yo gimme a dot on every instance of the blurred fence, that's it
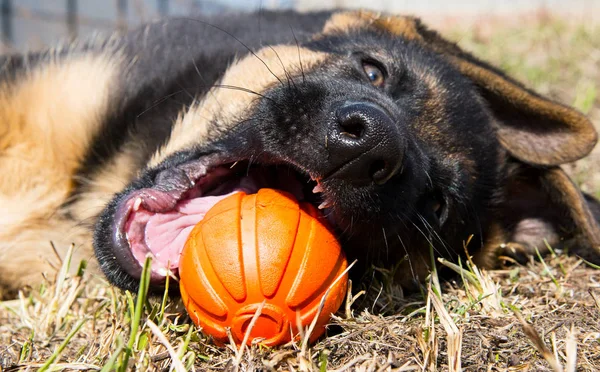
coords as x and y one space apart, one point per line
36 23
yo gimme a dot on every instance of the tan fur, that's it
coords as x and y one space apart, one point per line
345 21
396 25
228 106
111 179
47 121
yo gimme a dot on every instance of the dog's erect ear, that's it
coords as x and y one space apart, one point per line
542 206
532 128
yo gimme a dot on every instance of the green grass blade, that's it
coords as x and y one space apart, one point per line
110 363
186 342
163 303
139 307
547 269
62 346
591 264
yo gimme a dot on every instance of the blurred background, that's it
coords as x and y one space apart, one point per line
34 23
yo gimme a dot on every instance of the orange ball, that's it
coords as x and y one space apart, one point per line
261 247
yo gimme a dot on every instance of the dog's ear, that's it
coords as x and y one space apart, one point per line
541 207
532 128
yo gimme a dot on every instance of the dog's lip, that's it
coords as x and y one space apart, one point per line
159 197
121 246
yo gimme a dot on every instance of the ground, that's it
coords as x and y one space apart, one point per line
538 317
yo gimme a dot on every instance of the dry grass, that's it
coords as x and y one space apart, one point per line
541 317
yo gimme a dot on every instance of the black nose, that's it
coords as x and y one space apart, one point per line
364 144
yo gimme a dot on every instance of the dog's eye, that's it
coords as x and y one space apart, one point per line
374 74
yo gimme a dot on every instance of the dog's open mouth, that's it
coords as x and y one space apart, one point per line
158 220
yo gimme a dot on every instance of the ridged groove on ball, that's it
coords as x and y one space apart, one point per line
272 262
218 231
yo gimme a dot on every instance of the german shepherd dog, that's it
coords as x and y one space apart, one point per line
406 143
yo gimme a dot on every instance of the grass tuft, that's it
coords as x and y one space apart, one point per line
136 312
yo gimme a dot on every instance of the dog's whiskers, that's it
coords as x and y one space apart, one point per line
158 102
239 41
387 246
408 258
210 91
299 57
289 78
433 231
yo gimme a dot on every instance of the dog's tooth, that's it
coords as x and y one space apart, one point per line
136 204
317 189
325 204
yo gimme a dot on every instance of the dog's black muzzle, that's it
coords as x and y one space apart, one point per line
364 144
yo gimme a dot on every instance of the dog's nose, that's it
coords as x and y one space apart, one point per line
364 144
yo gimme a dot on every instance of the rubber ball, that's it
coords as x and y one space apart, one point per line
263 247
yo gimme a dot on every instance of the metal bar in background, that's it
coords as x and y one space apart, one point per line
7 22
122 14
163 7
72 18
52 17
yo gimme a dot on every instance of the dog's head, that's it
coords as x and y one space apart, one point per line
404 142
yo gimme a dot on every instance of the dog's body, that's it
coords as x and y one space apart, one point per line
412 143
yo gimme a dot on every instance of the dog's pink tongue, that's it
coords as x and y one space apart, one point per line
164 234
